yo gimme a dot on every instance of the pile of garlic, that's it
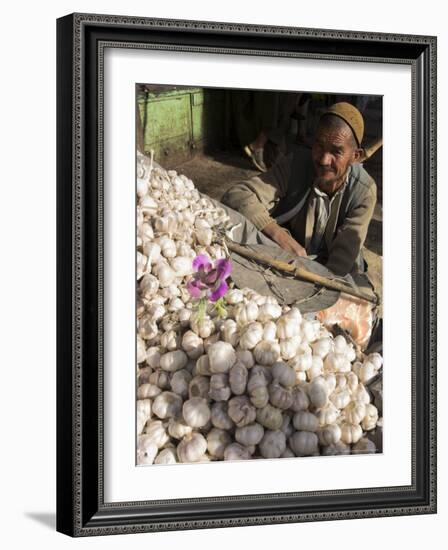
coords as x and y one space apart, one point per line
263 382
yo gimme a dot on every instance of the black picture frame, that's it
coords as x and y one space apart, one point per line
81 510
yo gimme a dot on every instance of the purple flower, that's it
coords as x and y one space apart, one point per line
209 281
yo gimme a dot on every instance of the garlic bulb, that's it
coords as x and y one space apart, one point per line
202 366
238 378
141 350
257 388
305 421
266 353
220 417
339 448
273 444
221 356
192 448
350 433
148 390
217 442
270 331
322 347
166 456
329 435
199 386
180 381
143 414
241 411
371 418
146 450
245 357
196 412
245 313
178 429
158 433
283 374
268 312
355 411
304 443
279 396
229 332
270 417
203 327
249 435
300 400
219 387
170 340
318 392
364 446
167 404
192 344
173 360
235 451
288 326
234 296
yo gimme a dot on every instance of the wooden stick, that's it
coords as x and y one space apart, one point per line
298 272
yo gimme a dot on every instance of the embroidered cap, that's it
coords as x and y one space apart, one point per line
351 116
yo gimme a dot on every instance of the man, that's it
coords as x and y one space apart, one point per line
317 202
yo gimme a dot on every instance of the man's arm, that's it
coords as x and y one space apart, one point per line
256 198
351 235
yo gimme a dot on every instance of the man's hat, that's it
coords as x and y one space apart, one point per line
351 116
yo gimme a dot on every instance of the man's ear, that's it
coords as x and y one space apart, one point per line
357 155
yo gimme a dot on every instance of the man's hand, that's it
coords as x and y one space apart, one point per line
283 239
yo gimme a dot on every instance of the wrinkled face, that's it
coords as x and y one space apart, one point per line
334 150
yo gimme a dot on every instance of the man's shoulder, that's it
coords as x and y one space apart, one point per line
360 180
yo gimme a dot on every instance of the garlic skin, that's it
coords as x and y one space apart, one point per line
192 448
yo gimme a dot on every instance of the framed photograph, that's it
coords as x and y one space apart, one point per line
246 274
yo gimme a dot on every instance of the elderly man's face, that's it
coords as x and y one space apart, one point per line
333 152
